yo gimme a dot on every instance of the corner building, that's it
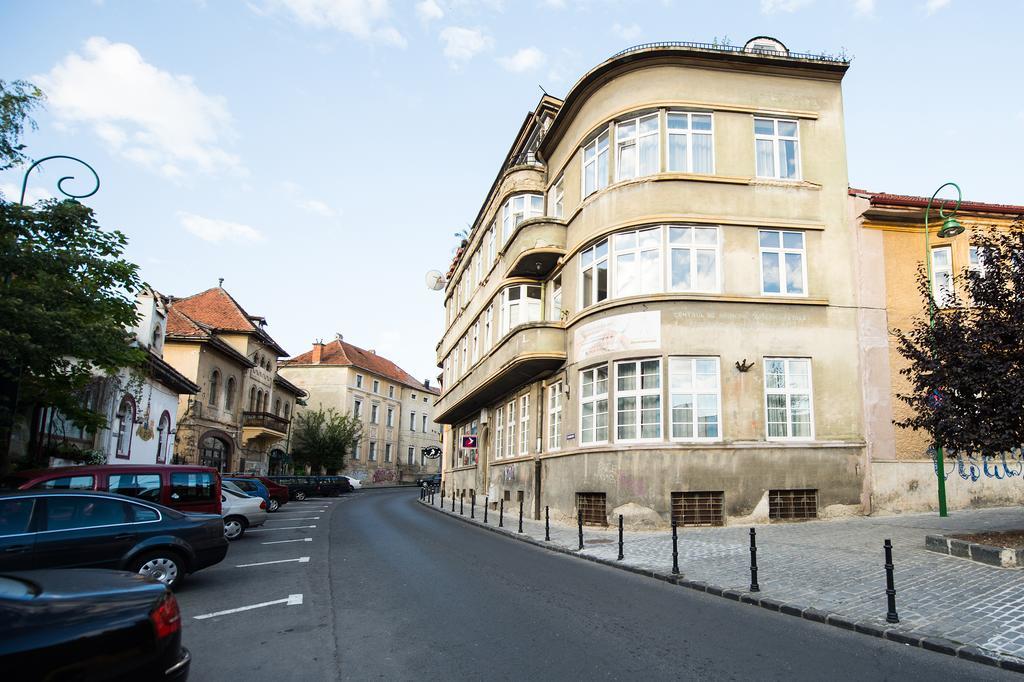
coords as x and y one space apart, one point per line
655 314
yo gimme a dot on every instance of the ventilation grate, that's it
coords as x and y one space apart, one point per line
593 507
698 508
786 505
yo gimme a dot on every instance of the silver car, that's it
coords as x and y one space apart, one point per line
241 512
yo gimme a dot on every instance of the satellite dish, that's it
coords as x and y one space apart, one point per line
435 280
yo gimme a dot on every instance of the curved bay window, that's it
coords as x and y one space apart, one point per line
125 421
163 437
213 452
520 304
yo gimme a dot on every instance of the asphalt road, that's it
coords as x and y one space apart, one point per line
396 591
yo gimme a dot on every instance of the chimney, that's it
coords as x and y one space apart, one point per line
426 383
318 351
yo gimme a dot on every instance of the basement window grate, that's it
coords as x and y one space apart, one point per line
787 505
593 507
698 508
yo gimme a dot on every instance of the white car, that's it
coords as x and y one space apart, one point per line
240 512
356 483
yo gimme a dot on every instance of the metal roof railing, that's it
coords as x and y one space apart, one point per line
718 47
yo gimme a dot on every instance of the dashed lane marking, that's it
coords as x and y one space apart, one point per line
290 600
300 560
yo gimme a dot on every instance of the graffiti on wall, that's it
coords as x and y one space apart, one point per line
383 475
627 484
973 467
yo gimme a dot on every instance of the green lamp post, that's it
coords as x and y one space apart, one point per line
950 228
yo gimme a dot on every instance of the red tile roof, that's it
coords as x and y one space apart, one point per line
217 310
910 201
179 324
342 353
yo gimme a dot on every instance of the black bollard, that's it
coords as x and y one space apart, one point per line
442 498
754 587
520 516
579 520
621 555
501 513
487 503
462 501
675 549
890 588
453 501
547 524
472 507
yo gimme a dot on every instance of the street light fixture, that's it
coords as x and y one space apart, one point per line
951 227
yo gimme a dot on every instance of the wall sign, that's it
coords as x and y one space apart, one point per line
630 331
469 442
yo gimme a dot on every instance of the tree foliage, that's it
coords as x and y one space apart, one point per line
17 101
321 438
966 374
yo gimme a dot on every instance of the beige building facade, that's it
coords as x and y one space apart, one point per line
655 313
395 409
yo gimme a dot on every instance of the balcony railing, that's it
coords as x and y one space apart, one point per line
265 420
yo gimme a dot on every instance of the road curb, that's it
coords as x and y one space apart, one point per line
930 642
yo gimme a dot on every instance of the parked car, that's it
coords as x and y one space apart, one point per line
183 487
354 482
241 512
89 624
87 529
332 486
429 481
299 487
278 493
253 488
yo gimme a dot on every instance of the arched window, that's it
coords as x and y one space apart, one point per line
277 407
266 402
229 397
213 452
287 410
125 421
252 399
259 401
163 437
214 380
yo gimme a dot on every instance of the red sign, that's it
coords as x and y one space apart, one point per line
469 442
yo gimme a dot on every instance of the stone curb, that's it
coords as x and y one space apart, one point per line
930 642
1000 557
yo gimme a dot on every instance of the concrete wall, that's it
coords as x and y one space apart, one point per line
912 486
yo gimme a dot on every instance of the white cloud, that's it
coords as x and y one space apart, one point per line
12 193
215 231
526 59
428 10
628 32
462 44
317 207
864 8
155 118
933 6
363 19
775 6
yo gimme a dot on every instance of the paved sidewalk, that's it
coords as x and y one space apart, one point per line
834 566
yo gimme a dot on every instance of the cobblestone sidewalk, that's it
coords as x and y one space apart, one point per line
834 566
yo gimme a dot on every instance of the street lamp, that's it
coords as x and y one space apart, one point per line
951 227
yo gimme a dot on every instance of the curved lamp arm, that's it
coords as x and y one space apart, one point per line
60 183
927 243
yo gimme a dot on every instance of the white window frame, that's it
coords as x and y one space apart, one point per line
694 392
554 308
376 386
465 354
391 391
492 245
475 343
554 439
556 199
499 432
511 218
412 421
689 135
528 309
390 423
788 391
601 147
478 268
510 429
412 456
595 261
371 455
488 339
387 453
782 251
638 394
692 249
359 381
374 413
357 450
942 298
357 408
524 424
635 141
424 424
775 139
614 277
594 399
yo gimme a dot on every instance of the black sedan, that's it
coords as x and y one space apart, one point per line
86 529
89 625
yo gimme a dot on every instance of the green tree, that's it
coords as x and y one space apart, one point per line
966 372
321 438
17 101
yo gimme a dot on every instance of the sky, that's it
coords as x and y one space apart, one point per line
319 155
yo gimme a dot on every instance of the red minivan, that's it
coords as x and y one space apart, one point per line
178 486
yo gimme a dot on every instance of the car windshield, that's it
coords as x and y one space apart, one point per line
228 485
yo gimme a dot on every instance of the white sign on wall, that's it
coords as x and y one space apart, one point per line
631 331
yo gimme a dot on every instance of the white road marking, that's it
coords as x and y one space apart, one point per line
264 530
291 600
300 560
298 518
278 542
302 511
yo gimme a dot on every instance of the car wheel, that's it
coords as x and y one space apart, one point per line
274 505
163 566
234 527
300 496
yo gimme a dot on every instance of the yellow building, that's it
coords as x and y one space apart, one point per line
656 311
891 248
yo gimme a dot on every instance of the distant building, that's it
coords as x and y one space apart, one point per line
396 410
240 418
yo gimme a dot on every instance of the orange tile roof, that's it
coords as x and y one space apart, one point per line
216 309
341 353
910 201
180 324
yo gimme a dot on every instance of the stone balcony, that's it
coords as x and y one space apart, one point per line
535 247
267 425
524 354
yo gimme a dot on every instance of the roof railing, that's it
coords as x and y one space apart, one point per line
735 49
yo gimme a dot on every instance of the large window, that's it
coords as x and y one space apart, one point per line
466 456
594 273
465 354
391 417
163 437
387 452
787 388
376 386
524 424
637 262
555 300
475 344
777 145
595 164
694 396
638 400
423 417
693 258
357 409
125 426
214 382
594 405
555 416
556 199
510 429
359 381
357 450
499 432
410 458
375 413
492 252
517 209
488 339
942 275
372 456
412 421
783 266
690 142
520 304
636 147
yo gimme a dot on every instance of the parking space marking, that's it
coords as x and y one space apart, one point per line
278 542
302 511
264 530
298 518
300 560
290 600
